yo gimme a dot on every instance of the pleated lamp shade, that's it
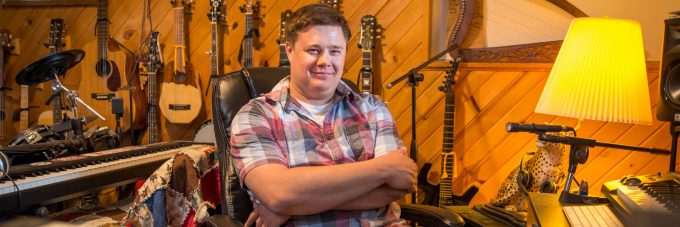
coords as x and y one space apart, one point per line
599 73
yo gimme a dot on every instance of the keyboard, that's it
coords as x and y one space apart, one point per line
599 215
48 182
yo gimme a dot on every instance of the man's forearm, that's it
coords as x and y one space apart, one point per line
376 198
309 190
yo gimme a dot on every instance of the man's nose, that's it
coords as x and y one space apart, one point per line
324 59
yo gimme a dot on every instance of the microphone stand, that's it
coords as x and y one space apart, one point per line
413 78
579 154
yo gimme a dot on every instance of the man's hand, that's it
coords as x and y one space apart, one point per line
263 217
402 171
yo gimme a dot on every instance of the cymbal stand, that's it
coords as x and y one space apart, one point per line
73 100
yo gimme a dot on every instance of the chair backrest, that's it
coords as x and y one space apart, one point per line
230 93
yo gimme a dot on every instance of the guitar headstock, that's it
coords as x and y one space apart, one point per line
182 3
5 41
57 28
217 12
250 7
370 30
449 80
335 4
154 58
285 15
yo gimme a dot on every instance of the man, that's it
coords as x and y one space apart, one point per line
313 152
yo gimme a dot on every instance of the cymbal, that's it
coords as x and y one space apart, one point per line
44 69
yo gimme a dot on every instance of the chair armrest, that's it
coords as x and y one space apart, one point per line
221 221
430 215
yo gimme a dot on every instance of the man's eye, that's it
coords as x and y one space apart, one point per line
313 51
336 52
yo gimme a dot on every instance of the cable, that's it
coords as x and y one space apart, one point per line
18 192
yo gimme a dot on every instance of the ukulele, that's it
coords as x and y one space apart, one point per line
5 48
180 101
150 67
369 31
55 42
283 57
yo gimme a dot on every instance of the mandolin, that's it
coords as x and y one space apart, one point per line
180 100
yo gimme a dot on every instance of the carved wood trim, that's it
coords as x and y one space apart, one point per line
568 7
544 52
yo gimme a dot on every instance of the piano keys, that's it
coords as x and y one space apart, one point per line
44 183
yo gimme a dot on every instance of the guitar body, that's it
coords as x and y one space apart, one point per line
180 103
97 94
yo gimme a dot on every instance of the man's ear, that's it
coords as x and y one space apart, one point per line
289 49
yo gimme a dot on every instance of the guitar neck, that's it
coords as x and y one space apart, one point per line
248 42
23 116
102 29
214 51
152 115
445 193
366 72
180 46
2 94
56 100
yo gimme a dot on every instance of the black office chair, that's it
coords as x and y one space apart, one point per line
230 93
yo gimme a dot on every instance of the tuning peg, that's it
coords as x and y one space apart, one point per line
242 8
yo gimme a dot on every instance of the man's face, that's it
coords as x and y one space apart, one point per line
317 59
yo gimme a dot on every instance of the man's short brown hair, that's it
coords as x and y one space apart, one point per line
314 14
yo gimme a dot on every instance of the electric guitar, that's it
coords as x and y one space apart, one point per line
442 194
283 57
369 31
180 101
249 10
150 67
5 48
55 42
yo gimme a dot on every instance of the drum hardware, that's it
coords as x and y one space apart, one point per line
49 68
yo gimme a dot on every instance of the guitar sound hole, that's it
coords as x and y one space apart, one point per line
103 68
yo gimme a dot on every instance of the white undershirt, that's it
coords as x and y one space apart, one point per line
318 111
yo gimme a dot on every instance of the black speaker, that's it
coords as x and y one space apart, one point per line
669 84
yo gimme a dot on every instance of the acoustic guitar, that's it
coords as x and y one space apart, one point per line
5 48
55 42
180 101
106 75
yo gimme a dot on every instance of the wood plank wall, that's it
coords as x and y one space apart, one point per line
487 94
402 46
508 92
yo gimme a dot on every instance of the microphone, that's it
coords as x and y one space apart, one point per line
535 128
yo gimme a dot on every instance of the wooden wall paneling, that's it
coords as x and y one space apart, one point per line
271 20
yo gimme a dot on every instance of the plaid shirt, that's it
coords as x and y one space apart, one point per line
276 129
